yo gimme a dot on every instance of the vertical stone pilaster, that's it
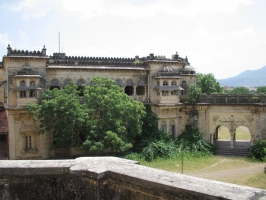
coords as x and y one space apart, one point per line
11 135
202 120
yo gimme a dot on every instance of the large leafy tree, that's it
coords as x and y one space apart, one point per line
60 112
115 118
205 84
107 118
208 84
193 93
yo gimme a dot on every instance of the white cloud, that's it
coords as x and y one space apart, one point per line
86 9
243 34
199 33
32 8
90 8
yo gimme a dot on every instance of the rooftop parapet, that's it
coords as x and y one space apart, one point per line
175 57
63 60
11 52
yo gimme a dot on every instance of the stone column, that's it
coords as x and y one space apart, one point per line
232 139
167 126
202 120
211 138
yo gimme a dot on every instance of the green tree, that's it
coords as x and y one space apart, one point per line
108 118
115 118
261 90
193 93
208 84
240 90
60 111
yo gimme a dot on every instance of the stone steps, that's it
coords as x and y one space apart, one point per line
232 152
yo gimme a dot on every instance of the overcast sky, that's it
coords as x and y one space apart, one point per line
223 37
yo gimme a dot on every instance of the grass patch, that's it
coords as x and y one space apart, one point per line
226 169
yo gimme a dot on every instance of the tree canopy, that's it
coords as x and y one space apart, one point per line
208 84
261 90
205 84
107 118
240 90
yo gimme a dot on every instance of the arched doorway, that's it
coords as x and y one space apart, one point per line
242 137
222 133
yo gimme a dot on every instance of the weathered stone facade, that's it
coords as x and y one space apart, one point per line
154 80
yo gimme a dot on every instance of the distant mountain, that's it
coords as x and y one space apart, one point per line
247 78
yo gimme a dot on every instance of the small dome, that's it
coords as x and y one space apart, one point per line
189 68
166 69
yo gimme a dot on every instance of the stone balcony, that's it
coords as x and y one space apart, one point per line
172 99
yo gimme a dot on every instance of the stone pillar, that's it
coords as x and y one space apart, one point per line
167 126
12 134
134 91
176 130
252 139
202 120
211 138
232 139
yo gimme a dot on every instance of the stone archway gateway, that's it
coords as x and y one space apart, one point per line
251 116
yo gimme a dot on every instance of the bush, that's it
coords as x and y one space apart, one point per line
159 149
257 151
193 142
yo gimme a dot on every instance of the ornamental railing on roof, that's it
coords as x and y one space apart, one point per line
232 99
94 62
14 52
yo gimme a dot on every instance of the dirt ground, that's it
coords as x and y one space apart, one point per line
245 173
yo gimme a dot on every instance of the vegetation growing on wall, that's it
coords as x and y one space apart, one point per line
107 118
154 143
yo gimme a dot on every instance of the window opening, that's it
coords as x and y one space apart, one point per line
32 93
23 94
165 93
54 84
22 83
140 90
165 83
173 83
32 83
28 142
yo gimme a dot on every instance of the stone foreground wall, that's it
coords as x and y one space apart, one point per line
108 178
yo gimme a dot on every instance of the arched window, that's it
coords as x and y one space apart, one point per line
140 90
129 88
172 128
163 126
118 82
67 82
22 83
80 83
32 83
173 83
165 83
54 84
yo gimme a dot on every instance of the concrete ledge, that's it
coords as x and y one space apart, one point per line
108 178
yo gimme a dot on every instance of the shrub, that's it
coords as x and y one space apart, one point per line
257 151
193 142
